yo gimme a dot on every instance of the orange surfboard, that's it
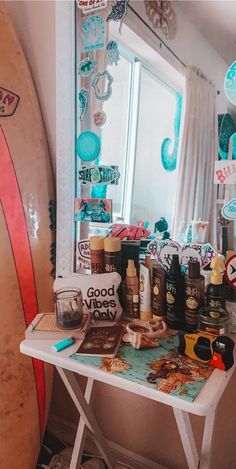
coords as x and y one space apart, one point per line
26 189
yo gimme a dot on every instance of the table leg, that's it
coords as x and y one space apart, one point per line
206 450
80 434
87 416
187 438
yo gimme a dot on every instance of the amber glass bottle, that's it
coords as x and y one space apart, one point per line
97 254
112 251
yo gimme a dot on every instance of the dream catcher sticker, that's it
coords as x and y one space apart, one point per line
93 33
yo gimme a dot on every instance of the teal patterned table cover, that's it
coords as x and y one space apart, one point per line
182 377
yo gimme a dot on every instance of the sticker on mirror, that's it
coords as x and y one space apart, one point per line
89 6
93 210
99 175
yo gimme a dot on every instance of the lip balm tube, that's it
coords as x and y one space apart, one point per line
62 344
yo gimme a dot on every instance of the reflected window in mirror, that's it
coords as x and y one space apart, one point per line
141 136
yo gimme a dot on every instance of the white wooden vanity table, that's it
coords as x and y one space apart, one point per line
205 404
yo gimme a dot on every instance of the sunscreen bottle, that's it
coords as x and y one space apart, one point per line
132 291
194 295
215 289
158 291
175 295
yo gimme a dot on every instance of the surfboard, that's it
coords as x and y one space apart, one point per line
26 189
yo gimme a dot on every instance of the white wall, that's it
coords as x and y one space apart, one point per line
189 45
34 22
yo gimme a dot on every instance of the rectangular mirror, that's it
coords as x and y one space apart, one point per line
145 117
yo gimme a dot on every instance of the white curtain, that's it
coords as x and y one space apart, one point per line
196 193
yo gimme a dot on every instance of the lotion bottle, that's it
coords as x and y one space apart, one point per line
215 289
132 291
175 295
145 274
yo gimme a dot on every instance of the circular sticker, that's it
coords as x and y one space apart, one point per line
88 146
230 83
230 272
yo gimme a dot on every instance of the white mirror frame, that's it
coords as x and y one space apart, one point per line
65 135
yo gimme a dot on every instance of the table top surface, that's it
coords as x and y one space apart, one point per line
207 398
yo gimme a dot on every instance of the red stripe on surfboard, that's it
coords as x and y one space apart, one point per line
17 228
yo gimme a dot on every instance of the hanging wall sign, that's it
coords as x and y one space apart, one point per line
88 146
8 102
230 271
102 85
225 172
90 6
162 16
93 210
112 52
87 66
229 210
230 83
83 102
93 32
99 175
99 118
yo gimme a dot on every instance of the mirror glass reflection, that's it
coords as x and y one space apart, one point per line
145 117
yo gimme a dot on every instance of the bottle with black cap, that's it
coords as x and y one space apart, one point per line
194 295
175 295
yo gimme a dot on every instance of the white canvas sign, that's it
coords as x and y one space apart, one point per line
225 172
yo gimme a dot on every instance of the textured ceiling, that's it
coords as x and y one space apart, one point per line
216 20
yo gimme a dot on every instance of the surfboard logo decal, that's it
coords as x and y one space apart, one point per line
13 210
8 102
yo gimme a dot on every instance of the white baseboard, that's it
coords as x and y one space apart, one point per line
66 431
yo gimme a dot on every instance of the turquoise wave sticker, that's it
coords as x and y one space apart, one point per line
229 210
169 159
226 132
230 83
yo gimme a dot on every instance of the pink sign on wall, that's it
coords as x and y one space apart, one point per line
225 172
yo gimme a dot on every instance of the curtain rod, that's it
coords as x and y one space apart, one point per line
161 40
158 37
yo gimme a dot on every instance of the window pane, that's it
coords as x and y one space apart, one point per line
115 131
154 187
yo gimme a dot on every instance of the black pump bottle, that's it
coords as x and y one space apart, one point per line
175 295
